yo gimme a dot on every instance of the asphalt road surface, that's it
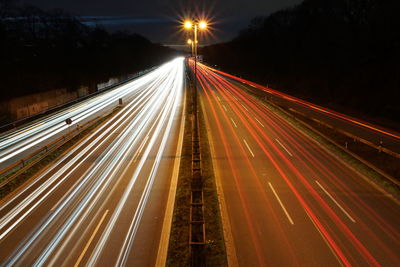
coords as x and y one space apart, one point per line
286 200
24 140
103 202
373 133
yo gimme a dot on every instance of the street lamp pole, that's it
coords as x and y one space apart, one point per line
202 25
195 56
196 251
190 42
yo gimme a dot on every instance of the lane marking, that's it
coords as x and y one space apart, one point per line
251 152
49 190
136 156
234 123
324 238
167 222
234 97
20 132
334 200
244 107
218 98
259 122
224 107
280 203
91 239
283 147
226 224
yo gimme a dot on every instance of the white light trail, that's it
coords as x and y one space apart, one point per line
148 118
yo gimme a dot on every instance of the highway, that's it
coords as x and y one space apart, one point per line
286 200
104 201
22 141
365 130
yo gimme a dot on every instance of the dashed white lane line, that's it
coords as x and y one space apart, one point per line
283 147
234 123
248 147
259 122
244 107
280 203
224 107
334 200
218 98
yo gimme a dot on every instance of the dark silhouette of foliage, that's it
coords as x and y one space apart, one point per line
42 50
340 53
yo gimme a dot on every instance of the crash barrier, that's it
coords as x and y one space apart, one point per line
197 233
12 171
345 146
15 124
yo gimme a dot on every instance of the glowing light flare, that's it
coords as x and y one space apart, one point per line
188 24
202 25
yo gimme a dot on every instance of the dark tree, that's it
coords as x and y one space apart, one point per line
341 53
42 50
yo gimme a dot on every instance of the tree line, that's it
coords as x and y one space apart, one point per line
341 53
43 50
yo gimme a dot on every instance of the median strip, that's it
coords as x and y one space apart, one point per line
179 252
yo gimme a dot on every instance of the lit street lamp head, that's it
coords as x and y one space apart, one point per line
188 24
203 25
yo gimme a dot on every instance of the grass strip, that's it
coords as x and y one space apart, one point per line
178 251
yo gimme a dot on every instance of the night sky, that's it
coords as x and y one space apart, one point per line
157 20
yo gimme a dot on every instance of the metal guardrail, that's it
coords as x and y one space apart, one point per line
17 168
13 125
379 147
197 231
345 149
264 95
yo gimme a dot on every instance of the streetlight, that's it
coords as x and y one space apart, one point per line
191 43
202 25
195 25
188 24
